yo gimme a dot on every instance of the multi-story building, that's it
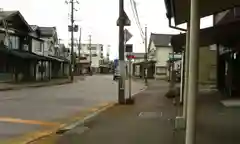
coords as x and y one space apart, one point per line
50 48
93 54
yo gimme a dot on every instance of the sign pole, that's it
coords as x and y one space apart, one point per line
130 77
72 41
121 90
122 21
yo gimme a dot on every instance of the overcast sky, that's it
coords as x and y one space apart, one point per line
96 17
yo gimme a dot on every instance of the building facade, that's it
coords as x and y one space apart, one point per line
228 58
93 54
23 50
159 51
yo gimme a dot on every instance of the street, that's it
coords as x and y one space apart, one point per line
29 110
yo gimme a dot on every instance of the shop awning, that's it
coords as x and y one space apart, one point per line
180 9
55 58
59 59
21 54
225 34
26 55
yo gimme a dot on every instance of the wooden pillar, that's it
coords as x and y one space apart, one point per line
41 69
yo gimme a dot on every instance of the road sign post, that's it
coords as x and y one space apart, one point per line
130 57
122 21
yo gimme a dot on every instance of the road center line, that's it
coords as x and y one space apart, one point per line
32 122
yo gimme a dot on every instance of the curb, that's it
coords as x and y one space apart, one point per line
86 119
90 117
34 86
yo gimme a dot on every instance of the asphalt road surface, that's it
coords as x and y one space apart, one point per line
29 110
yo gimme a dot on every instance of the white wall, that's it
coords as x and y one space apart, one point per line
95 59
37 48
162 55
152 50
48 46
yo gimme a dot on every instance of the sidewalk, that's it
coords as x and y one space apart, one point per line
12 86
216 124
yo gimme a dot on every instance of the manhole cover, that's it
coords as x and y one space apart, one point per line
150 114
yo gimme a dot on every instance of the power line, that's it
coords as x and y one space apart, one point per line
136 17
136 14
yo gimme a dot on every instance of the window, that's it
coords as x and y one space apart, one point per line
94 55
14 42
161 70
213 47
37 45
92 48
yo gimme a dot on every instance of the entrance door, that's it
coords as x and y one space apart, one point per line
236 74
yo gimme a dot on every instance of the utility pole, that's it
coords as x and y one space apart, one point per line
121 50
72 41
90 52
72 28
146 58
79 46
79 49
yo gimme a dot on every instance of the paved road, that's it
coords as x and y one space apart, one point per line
28 110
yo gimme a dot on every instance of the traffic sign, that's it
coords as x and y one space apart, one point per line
126 20
127 35
74 28
129 48
130 56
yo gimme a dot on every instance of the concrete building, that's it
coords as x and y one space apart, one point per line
96 55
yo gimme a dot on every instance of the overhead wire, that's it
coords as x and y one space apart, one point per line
136 17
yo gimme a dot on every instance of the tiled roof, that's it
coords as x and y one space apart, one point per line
34 27
47 31
8 14
5 14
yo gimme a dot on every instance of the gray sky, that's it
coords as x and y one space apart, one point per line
96 17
